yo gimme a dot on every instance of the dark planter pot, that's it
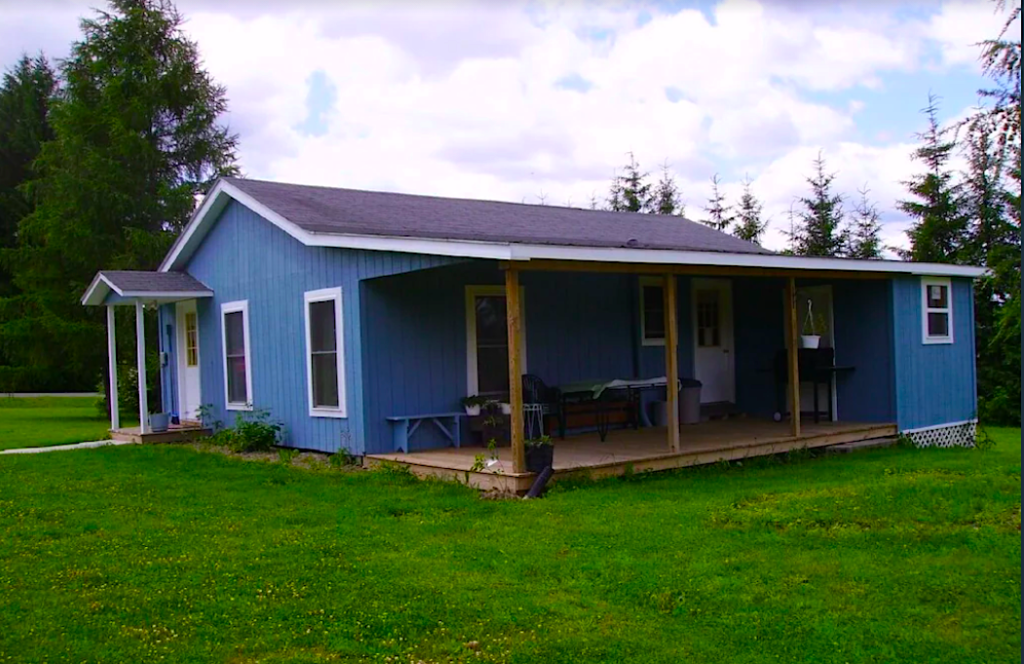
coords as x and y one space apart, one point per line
539 457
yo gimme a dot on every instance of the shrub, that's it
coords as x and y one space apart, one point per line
253 432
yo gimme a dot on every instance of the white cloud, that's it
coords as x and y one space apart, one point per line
461 99
961 25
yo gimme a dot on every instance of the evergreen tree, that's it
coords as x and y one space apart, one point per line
864 240
631 191
25 96
720 216
939 231
751 226
667 199
819 231
1001 59
136 139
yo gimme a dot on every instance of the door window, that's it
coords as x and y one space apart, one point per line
709 320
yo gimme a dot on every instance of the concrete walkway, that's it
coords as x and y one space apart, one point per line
62 448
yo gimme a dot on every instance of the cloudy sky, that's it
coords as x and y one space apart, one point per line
542 101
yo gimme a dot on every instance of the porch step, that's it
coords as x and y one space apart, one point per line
846 448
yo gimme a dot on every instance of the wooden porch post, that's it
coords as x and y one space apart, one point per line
515 372
794 358
672 361
115 417
140 346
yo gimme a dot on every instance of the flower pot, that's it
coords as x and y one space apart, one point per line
539 457
158 422
506 409
472 411
809 340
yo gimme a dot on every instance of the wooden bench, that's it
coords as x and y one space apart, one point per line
404 426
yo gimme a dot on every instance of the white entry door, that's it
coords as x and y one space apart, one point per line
714 359
189 397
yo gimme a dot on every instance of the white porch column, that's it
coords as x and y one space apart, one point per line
140 344
115 418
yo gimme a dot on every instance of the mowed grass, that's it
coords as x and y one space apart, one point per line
166 554
44 421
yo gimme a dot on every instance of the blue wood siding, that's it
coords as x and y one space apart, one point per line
169 370
244 257
862 313
935 383
759 335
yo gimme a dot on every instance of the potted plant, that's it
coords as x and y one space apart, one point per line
540 454
506 408
473 404
814 325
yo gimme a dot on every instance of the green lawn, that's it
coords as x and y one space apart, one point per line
43 421
159 553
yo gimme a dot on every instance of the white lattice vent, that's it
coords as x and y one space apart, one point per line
962 434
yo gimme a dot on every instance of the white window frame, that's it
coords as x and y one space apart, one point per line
472 292
326 295
649 281
230 308
925 310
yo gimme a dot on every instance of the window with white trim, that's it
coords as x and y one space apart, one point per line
652 311
937 311
234 318
325 353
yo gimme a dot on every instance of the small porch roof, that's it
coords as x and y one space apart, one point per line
129 286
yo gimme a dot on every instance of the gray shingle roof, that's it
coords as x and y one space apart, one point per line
132 281
353 212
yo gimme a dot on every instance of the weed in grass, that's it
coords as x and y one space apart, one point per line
286 455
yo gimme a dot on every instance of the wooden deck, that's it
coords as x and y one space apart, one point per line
175 434
635 451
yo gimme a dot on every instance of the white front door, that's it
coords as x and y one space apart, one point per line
189 397
714 360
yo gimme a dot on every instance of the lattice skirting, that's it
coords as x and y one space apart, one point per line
961 434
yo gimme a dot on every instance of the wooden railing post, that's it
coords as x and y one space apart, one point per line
794 358
515 372
672 361
140 348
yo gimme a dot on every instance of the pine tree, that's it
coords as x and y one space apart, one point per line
1001 60
864 240
751 226
820 231
667 199
136 138
720 216
631 191
25 96
940 227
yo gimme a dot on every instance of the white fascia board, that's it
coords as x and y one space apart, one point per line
212 204
94 296
167 295
457 248
527 252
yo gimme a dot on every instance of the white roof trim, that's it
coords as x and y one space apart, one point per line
101 287
219 196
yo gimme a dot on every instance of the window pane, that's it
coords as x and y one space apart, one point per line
234 333
236 380
322 329
492 369
491 323
654 312
325 380
938 324
191 340
938 297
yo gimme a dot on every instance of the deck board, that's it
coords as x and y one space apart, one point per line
645 449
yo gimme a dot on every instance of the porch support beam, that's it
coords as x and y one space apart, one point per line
515 372
140 347
672 361
115 417
794 358
550 265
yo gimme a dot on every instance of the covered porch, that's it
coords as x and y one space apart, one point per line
141 290
589 320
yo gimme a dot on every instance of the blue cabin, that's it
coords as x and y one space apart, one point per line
380 323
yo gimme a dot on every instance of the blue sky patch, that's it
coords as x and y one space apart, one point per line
320 101
574 82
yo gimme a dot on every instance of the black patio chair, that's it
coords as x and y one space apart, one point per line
537 392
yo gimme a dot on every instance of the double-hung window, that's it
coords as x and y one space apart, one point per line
237 357
937 311
325 353
652 311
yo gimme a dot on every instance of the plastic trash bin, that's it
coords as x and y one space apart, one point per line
689 401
